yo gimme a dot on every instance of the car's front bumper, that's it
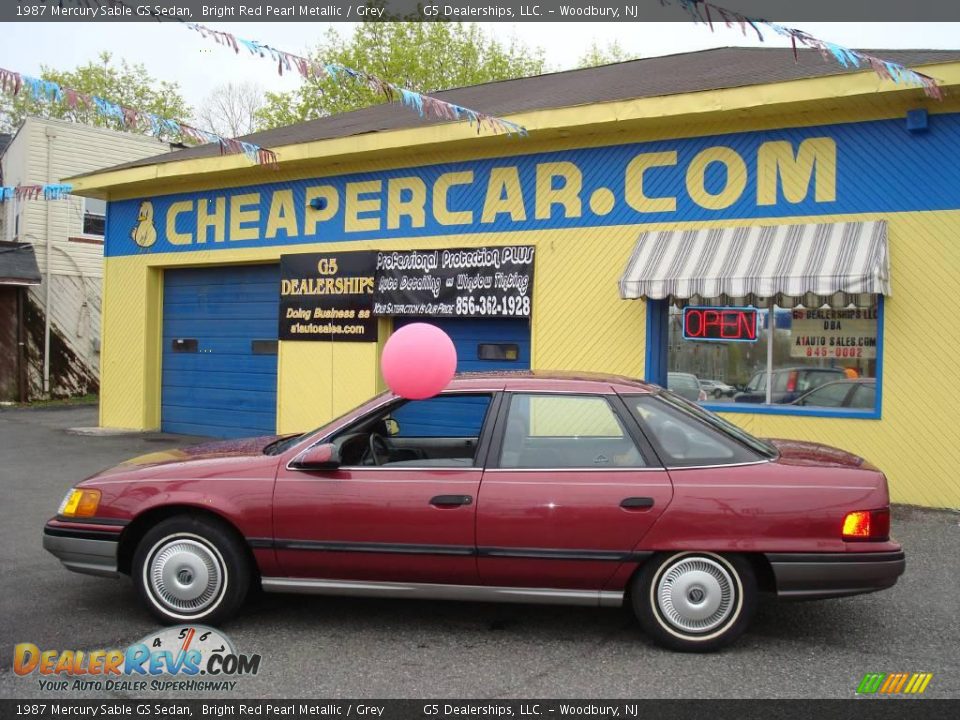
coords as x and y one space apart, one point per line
826 575
93 552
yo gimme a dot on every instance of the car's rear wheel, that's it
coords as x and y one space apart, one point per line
189 569
695 601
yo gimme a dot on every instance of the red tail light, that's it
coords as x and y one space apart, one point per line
792 381
867 525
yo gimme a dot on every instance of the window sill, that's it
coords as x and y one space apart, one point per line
90 240
795 410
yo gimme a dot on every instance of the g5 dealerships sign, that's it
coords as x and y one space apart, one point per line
327 296
460 282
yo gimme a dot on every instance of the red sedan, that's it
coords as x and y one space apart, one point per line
546 488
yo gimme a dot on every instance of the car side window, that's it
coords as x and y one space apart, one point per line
566 431
864 397
682 439
757 383
442 431
831 395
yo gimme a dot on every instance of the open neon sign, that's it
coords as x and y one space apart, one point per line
720 324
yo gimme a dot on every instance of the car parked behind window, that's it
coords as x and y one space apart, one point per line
788 384
686 385
857 394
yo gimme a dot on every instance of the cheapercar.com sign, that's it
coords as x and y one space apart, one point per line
832 169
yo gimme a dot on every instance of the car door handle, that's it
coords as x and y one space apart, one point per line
637 503
451 500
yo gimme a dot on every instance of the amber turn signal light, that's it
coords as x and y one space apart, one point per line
867 525
80 503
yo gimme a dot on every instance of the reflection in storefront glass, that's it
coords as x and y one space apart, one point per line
822 357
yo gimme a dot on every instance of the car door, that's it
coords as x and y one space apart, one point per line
569 492
755 391
408 518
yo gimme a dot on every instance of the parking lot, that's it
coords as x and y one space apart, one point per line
334 647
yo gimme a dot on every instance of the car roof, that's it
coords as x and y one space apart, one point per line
550 381
850 381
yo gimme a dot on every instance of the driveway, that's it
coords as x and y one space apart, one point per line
337 647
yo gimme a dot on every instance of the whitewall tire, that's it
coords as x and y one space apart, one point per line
695 601
191 569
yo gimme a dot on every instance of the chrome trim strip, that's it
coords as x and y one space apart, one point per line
632 556
576 470
681 484
93 521
722 465
588 483
374 547
469 593
466 481
442 468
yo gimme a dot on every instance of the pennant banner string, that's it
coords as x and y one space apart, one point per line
35 192
424 105
707 13
13 83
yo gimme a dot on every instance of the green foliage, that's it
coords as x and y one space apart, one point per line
127 84
612 53
425 57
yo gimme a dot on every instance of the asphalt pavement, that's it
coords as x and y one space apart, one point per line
365 648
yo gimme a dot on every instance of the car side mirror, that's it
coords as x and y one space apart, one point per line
393 427
318 457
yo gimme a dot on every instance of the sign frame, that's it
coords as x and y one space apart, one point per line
754 311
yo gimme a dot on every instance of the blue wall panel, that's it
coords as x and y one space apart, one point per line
223 389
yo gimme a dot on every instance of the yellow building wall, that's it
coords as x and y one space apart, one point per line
917 440
579 322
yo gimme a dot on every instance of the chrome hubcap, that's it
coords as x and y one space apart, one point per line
186 575
695 594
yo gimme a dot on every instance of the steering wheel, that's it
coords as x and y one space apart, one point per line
378 448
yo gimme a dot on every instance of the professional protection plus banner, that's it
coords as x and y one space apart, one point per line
459 282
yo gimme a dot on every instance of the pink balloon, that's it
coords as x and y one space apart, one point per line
418 361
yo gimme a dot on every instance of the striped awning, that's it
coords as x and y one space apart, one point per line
836 264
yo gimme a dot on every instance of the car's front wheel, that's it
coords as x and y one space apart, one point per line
695 601
190 569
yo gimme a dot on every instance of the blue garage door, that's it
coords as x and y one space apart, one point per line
483 345
220 351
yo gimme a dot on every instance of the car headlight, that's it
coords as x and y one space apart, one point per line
79 502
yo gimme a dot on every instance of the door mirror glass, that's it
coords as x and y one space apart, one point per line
319 457
393 427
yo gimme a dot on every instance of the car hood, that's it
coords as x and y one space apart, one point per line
798 452
220 450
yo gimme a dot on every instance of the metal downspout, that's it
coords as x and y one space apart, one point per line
48 280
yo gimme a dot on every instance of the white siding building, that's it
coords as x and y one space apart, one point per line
62 314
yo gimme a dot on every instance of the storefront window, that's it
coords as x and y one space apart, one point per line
821 358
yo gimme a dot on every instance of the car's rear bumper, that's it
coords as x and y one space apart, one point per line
92 552
826 575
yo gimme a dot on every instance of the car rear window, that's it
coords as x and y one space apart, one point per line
685 434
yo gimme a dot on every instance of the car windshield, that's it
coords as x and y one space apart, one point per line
283 444
725 426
